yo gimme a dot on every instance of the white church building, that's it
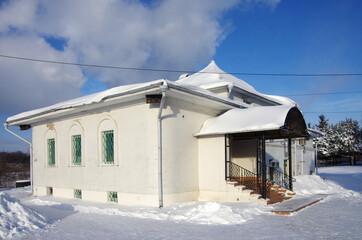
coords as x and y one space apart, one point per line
207 136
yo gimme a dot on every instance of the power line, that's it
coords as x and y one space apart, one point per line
336 112
322 93
181 71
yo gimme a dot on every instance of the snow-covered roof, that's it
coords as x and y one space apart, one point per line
255 119
85 100
122 90
212 77
197 84
314 133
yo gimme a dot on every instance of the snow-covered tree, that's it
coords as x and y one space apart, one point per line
323 142
347 137
341 139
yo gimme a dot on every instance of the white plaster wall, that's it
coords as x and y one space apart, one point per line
243 153
135 168
303 156
180 121
276 150
306 161
63 192
134 175
221 91
212 164
94 196
212 183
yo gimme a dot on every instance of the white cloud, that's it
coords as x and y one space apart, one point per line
173 34
168 34
16 13
27 85
271 4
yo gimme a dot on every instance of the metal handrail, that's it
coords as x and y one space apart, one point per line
280 178
254 182
247 178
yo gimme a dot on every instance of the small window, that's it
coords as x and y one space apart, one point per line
49 191
78 193
51 152
77 150
112 197
302 142
108 147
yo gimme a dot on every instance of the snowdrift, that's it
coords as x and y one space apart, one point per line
314 184
204 213
16 218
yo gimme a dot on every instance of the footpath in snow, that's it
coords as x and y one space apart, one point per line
23 216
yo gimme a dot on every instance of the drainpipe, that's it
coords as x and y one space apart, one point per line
31 155
163 89
316 158
230 88
290 164
295 158
316 155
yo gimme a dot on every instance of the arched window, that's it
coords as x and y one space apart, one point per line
76 145
51 147
108 141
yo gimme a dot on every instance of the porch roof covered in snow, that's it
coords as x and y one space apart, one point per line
270 121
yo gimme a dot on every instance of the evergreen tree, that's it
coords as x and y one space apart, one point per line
323 142
323 122
347 137
342 139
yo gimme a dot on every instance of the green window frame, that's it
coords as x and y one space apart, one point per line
108 147
51 152
112 197
77 150
78 193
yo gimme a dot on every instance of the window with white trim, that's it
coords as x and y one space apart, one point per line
108 147
107 142
77 150
51 152
50 146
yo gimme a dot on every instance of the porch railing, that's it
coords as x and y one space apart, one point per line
278 177
247 178
254 182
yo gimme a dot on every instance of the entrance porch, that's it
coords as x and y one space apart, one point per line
245 161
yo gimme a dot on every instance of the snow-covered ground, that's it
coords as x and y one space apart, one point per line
336 217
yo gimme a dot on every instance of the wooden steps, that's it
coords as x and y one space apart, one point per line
276 193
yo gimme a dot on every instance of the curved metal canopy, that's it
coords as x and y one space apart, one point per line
268 121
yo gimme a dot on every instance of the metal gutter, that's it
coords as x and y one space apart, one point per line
163 89
31 155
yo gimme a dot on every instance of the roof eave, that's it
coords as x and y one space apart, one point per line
211 96
74 109
71 110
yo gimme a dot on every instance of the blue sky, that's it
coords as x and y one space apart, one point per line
300 37
253 36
